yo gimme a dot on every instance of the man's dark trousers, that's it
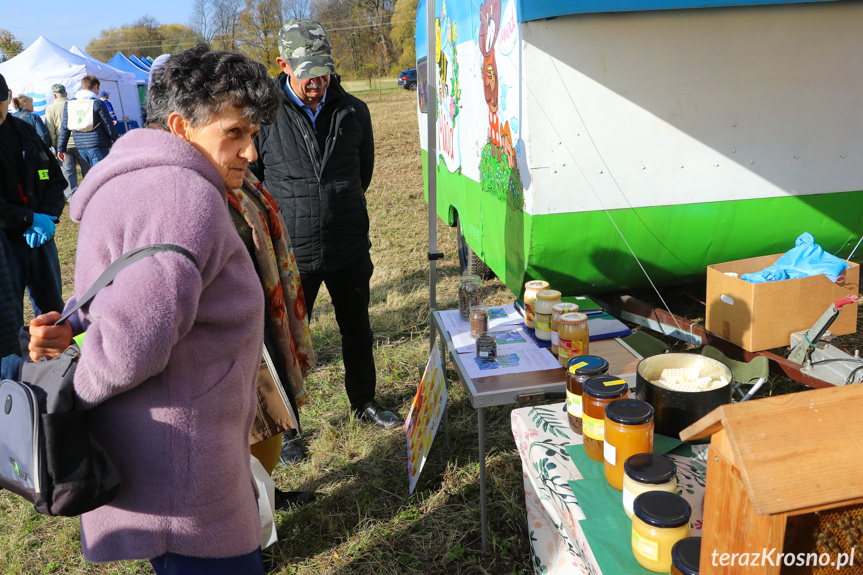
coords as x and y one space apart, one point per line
349 290
38 271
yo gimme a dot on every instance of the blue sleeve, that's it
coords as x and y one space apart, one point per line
63 137
106 120
42 130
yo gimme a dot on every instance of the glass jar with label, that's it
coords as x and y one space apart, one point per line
647 472
545 301
572 337
478 320
532 288
598 392
469 295
686 556
659 521
578 370
486 346
628 432
556 312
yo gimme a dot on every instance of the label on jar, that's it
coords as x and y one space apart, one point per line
575 367
573 404
646 547
554 339
484 354
628 499
576 347
593 428
615 382
530 313
610 453
543 321
564 348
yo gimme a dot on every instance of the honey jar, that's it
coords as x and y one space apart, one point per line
686 556
578 370
572 337
556 312
542 307
478 320
628 431
659 521
647 472
532 288
486 346
598 392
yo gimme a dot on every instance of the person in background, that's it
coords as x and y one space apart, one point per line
95 131
317 160
173 349
103 95
54 119
31 201
24 106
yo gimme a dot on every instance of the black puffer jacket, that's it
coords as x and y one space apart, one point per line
319 177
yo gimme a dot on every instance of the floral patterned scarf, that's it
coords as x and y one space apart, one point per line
274 256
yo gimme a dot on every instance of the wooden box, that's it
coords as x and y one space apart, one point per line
784 476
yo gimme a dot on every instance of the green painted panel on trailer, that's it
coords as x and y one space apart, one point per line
583 252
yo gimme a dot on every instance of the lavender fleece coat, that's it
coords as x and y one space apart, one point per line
171 354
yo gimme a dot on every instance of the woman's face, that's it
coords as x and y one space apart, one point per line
227 142
28 105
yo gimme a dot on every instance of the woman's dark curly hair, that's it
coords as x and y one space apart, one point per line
200 83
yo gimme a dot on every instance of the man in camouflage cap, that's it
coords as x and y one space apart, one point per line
317 160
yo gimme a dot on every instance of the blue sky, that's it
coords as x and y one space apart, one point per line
68 22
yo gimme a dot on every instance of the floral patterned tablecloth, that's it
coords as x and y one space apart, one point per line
558 544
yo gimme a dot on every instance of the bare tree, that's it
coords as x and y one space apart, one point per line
201 19
226 22
298 9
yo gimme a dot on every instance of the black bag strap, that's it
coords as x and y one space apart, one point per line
120 263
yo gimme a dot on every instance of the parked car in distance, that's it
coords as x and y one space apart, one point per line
408 79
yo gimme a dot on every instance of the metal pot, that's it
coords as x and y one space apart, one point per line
676 410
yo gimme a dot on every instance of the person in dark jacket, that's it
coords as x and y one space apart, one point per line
24 106
317 161
95 138
31 201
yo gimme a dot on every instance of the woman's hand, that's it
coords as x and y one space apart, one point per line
46 339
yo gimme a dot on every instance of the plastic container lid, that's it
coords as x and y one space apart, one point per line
536 285
601 387
548 294
629 411
662 509
573 318
650 468
565 307
686 554
469 278
587 365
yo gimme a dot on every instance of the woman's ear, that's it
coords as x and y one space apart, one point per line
178 125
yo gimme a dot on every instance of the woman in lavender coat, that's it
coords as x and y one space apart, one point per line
172 350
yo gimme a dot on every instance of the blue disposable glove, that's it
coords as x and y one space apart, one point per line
31 237
44 226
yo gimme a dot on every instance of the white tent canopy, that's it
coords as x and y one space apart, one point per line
127 93
43 64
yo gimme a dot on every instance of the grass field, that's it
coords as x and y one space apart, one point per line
363 521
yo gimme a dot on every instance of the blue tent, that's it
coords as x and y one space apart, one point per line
139 63
120 62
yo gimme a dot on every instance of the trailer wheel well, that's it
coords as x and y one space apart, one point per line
468 260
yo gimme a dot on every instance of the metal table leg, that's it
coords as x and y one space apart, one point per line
483 512
443 357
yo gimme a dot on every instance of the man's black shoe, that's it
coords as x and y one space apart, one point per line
374 413
288 499
291 451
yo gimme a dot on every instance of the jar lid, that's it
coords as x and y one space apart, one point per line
573 318
686 554
587 365
629 411
605 387
535 285
662 509
548 294
469 278
650 468
565 307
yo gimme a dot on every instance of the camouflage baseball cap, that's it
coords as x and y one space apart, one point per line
58 89
304 44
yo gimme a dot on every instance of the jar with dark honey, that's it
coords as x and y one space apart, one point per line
578 370
598 392
478 320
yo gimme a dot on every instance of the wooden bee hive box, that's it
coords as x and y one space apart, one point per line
784 475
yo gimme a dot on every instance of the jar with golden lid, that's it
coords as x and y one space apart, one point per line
598 392
578 370
628 432
572 337
659 521
532 288
469 295
556 312
647 472
542 307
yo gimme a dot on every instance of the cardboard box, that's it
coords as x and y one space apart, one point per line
764 315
